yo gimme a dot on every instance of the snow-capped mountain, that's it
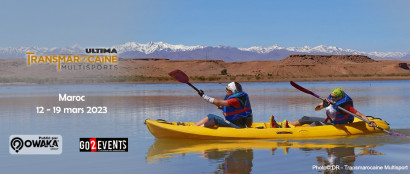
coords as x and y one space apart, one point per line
21 52
152 47
181 52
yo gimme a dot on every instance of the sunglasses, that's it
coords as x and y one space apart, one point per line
334 97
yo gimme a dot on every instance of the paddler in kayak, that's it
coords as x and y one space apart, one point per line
334 114
236 108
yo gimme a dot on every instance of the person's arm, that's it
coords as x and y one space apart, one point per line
353 110
319 107
372 123
214 100
322 105
217 102
220 102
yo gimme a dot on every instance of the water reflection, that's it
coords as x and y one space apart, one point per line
341 159
238 156
235 161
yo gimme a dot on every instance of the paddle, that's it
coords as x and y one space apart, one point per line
182 77
333 103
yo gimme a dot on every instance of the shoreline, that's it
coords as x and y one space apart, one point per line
308 79
153 71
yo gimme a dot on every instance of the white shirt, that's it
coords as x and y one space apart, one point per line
331 112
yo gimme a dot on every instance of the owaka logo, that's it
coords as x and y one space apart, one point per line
35 144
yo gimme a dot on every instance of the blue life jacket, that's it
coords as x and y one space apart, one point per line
342 117
245 110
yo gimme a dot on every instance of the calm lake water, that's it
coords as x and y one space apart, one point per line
129 105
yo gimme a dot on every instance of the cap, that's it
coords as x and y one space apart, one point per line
338 92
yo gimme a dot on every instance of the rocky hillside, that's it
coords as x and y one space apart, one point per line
294 67
325 59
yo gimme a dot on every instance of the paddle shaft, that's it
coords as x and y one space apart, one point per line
333 103
196 89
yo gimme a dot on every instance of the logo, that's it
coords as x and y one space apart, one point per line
103 144
94 59
19 142
36 144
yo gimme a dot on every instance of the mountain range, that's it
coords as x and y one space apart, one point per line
226 53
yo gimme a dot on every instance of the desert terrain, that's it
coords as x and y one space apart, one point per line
150 70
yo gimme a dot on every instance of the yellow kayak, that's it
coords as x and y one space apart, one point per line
173 130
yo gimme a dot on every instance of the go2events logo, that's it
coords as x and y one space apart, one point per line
36 144
103 144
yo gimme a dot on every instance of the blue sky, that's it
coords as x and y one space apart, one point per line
363 25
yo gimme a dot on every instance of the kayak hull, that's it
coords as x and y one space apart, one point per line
171 130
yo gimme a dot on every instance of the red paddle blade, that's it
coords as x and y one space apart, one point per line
179 75
303 89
